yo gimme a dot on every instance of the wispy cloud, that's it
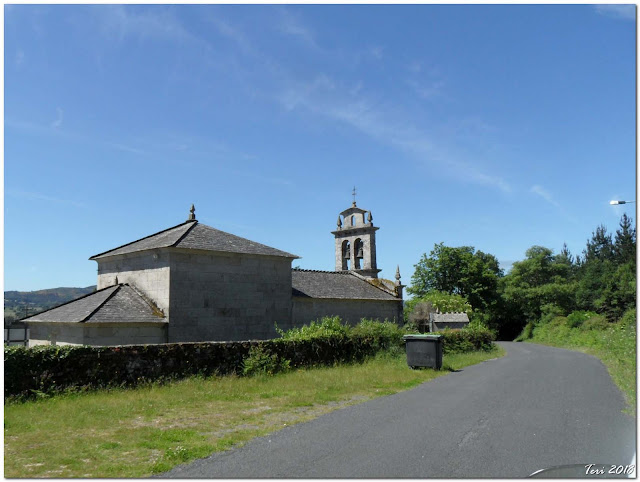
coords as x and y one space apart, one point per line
323 96
121 21
35 196
544 194
426 90
228 30
621 11
125 148
291 24
56 124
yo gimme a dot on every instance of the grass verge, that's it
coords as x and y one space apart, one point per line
138 432
615 346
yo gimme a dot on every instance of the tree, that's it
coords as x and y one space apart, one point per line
599 246
540 279
460 271
624 246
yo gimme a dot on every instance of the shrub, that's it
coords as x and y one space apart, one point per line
598 322
577 318
326 326
261 361
628 318
549 312
382 335
467 339
527 332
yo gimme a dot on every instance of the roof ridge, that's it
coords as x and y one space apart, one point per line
154 308
146 237
118 288
193 223
66 303
320 271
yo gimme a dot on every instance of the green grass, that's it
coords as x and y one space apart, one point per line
615 346
138 432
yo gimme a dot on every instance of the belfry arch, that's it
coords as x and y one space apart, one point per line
355 242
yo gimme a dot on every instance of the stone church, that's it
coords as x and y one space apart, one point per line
193 283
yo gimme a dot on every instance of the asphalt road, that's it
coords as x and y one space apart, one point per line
534 408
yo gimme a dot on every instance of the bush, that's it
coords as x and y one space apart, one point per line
577 318
261 361
596 323
326 326
549 312
628 318
527 332
383 335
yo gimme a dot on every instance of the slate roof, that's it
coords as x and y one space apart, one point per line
450 317
118 303
193 235
336 285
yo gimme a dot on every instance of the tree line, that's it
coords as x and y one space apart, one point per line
601 279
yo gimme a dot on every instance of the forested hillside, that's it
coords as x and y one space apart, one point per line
18 304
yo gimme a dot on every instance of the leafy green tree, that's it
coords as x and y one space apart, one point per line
460 271
438 300
540 279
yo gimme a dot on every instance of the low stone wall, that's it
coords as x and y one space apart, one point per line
49 369
96 334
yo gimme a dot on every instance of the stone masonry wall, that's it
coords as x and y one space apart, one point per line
96 334
306 310
228 296
147 271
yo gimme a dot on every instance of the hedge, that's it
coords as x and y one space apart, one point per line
44 370
49 369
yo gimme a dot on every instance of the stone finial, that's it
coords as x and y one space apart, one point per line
339 222
398 274
192 216
370 218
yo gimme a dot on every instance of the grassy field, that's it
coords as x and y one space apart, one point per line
139 432
615 346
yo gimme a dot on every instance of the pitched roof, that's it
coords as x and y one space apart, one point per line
118 303
193 235
335 284
450 317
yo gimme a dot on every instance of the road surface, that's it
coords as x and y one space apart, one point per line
534 408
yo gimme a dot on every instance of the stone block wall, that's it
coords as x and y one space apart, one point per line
96 334
306 310
147 271
228 296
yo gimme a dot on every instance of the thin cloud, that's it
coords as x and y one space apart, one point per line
35 196
122 21
322 97
291 25
544 194
58 122
427 90
623 12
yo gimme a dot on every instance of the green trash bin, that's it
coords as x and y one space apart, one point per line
424 350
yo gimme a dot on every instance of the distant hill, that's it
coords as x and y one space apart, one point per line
19 303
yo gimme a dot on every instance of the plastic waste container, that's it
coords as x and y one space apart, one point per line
424 351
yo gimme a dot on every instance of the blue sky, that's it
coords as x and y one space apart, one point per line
499 127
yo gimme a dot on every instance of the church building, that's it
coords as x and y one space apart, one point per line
194 283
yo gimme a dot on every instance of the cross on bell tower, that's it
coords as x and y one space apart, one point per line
355 244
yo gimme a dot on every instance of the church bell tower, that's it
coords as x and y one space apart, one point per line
356 241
